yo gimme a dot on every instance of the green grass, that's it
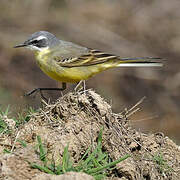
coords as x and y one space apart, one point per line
24 116
95 163
162 163
20 118
3 125
23 143
6 151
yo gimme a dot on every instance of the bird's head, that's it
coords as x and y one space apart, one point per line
40 41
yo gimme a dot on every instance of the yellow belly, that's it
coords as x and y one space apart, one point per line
71 75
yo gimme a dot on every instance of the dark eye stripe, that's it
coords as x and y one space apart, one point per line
39 43
34 42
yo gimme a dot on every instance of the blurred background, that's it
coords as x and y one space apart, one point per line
125 28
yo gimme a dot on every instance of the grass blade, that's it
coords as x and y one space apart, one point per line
41 150
42 168
95 170
66 162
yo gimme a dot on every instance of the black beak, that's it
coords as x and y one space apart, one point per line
20 45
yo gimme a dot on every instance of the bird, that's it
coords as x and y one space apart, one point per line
68 62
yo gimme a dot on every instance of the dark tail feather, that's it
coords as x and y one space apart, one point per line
140 62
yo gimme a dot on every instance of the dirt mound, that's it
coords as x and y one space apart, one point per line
76 119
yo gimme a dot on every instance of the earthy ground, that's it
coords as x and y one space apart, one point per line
76 118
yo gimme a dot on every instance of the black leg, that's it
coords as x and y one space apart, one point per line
46 89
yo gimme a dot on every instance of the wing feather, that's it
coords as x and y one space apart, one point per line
93 57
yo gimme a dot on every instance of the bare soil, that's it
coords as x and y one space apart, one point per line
76 119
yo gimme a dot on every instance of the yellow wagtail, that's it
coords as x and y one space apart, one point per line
68 62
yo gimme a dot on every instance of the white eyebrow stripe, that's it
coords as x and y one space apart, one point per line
41 37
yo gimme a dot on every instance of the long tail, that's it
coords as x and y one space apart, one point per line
140 62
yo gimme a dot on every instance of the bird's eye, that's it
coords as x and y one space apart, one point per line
34 42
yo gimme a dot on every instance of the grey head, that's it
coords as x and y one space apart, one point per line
39 41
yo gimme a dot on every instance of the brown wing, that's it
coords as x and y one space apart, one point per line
93 57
